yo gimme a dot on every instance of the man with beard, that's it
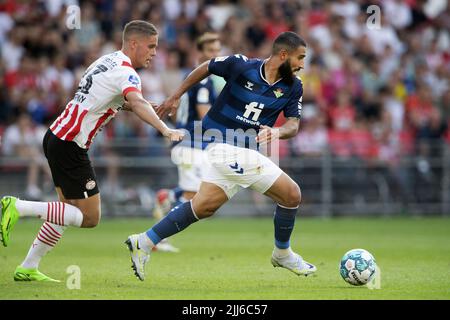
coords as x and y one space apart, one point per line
235 129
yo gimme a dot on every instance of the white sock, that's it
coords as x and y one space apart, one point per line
145 243
282 253
48 236
59 213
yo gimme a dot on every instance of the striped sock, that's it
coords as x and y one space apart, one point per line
59 213
47 238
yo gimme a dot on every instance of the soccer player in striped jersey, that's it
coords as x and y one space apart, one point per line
106 85
237 126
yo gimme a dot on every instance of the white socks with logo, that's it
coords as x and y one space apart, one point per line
48 236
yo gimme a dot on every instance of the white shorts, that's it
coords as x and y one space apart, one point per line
190 163
233 168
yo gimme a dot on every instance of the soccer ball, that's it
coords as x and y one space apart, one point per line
357 267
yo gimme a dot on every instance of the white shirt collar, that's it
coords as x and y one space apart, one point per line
124 56
261 74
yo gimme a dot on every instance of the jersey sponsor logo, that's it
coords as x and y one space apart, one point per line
133 79
250 122
278 92
254 110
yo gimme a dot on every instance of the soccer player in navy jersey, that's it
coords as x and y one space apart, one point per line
234 129
186 155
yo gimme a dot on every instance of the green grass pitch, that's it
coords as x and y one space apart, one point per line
229 258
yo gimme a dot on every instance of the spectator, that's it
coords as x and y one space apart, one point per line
343 114
12 50
398 13
23 139
312 140
394 81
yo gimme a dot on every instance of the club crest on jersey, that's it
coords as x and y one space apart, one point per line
90 185
133 79
278 93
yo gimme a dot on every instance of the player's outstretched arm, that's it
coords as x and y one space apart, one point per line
170 105
144 110
288 130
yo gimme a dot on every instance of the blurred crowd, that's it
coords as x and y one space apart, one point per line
375 87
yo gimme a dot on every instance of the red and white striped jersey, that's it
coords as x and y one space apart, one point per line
99 97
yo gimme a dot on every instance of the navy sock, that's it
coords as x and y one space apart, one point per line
283 221
178 219
176 203
178 193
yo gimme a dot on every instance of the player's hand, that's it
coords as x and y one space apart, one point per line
174 134
267 134
169 106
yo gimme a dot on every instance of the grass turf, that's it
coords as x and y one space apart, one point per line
229 258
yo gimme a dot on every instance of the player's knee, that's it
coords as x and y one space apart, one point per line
90 222
294 196
91 219
205 209
188 195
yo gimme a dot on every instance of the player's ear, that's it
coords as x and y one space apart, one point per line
283 54
133 43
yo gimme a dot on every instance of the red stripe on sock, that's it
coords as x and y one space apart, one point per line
44 241
50 214
57 212
52 208
50 232
44 234
53 213
48 211
60 214
58 204
52 229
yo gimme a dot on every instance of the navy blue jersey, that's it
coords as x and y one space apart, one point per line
201 93
247 101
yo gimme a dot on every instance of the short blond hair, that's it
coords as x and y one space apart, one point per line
140 27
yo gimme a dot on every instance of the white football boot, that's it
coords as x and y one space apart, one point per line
138 256
295 263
